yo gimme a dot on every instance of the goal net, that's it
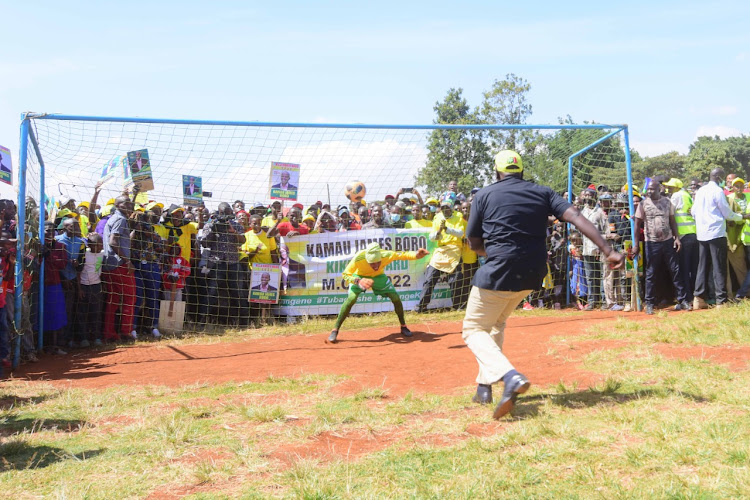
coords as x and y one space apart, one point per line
236 224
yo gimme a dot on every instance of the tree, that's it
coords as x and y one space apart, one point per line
707 153
506 103
462 155
670 164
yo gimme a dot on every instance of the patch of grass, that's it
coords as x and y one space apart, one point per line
653 428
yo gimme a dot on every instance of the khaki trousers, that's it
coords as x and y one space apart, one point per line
484 330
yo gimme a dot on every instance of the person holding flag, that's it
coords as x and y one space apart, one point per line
366 271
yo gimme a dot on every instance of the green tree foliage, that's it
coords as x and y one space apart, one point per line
506 103
462 155
707 153
669 164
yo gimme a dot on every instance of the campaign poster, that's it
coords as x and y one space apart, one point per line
110 168
284 181
6 167
140 170
264 283
192 190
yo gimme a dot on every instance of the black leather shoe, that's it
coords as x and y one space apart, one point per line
405 331
483 395
332 337
515 385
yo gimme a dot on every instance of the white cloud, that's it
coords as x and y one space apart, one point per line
720 130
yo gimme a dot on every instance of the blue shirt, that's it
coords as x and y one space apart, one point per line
117 224
511 217
75 249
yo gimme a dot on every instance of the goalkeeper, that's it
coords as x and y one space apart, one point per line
366 271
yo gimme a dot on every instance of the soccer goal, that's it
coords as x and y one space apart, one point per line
349 185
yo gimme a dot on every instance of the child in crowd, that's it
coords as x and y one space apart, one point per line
90 291
177 268
55 318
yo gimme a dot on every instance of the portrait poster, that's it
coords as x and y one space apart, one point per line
6 166
284 181
192 190
140 170
264 283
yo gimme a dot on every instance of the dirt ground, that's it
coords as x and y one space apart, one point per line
435 360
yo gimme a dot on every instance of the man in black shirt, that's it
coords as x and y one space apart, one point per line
507 225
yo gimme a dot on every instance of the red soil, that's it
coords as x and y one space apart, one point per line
435 360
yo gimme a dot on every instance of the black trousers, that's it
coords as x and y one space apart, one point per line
688 257
463 284
662 255
431 277
713 252
593 267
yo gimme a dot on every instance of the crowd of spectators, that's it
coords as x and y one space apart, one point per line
106 268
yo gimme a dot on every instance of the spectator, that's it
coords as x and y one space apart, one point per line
469 263
346 222
688 254
55 318
397 216
75 250
592 258
711 211
90 292
118 272
448 231
420 220
259 247
238 206
377 220
738 202
147 248
656 216
390 200
224 237
292 227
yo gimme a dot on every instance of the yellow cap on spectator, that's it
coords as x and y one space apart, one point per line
674 182
738 179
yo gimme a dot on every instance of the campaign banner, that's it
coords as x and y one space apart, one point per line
312 267
284 181
6 166
265 282
192 190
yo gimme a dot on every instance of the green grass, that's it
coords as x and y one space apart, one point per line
653 428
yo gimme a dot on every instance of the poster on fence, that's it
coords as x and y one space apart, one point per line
192 190
6 167
284 181
265 282
312 267
140 170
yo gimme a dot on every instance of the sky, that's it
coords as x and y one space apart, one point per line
671 70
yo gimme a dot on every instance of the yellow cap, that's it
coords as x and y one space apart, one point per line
508 161
111 201
738 179
84 204
67 213
432 201
674 182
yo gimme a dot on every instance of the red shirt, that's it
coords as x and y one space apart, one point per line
54 263
285 227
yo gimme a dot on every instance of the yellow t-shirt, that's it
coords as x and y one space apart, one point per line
252 240
447 255
268 221
358 267
415 224
183 239
468 256
83 221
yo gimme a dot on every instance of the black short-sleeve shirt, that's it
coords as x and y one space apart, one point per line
511 217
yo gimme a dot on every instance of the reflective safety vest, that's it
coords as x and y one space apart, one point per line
685 221
745 236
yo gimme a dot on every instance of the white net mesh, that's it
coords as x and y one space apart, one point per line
191 269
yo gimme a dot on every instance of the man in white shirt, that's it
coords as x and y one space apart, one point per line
711 211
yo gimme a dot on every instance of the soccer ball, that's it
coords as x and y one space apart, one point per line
355 191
